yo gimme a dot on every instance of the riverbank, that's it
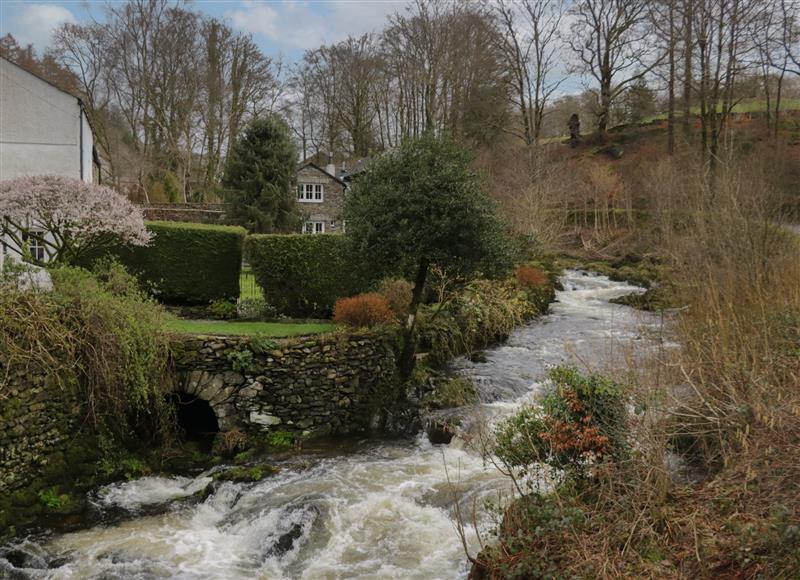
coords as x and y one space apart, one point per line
368 507
241 397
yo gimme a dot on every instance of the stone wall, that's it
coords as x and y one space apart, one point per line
316 385
37 419
202 213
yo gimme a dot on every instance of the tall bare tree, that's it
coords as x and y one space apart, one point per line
610 39
167 90
722 31
530 43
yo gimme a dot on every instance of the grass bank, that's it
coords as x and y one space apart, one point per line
233 328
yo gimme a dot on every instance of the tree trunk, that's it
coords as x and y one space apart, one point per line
671 108
605 109
687 66
406 362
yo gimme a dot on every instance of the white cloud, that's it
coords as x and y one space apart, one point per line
35 23
292 24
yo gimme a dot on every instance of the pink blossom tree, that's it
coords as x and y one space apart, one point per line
66 218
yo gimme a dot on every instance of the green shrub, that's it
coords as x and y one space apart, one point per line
52 498
483 313
222 309
99 335
241 360
581 420
188 263
303 275
279 439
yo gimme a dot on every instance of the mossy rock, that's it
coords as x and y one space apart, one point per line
655 299
454 392
243 474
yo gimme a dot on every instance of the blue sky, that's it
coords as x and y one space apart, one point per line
280 27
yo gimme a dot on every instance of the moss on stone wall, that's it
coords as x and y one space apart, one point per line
312 385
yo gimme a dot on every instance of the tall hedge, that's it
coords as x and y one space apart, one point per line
303 275
188 263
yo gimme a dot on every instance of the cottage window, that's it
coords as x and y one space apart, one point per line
35 245
311 193
314 228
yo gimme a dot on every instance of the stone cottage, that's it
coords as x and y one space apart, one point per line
320 195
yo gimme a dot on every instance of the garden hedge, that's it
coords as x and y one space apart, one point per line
188 263
303 275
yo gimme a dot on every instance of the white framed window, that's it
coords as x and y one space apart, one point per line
314 228
35 245
311 192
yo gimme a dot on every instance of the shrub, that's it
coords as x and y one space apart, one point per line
255 309
188 263
532 277
303 275
397 293
222 309
582 420
364 310
99 335
484 312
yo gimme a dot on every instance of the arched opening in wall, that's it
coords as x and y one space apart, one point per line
196 420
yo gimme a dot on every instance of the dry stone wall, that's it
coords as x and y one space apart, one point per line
328 384
37 419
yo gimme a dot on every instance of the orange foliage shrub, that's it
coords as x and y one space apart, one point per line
364 310
531 277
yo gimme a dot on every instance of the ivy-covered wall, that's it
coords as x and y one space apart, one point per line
319 385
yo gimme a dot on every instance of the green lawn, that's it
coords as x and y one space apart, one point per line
745 106
271 329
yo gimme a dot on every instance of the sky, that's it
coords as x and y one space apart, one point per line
281 27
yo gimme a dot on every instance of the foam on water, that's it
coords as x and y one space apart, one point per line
383 511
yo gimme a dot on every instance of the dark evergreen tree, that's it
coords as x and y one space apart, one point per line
423 205
260 174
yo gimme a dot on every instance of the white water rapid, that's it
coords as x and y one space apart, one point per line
368 509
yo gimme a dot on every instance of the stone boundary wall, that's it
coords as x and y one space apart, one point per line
37 420
327 384
205 213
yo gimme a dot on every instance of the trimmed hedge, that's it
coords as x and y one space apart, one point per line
303 275
188 263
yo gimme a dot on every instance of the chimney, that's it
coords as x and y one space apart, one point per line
330 167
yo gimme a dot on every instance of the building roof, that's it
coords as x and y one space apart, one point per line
44 80
308 163
360 167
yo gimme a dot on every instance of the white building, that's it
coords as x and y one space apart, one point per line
43 130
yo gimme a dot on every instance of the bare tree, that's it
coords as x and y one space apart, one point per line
344 76
688 52
529 41
721 28
167 90
663 16
609 38
790 35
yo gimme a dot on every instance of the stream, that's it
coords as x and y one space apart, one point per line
358 509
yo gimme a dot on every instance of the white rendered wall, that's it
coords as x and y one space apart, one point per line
40 128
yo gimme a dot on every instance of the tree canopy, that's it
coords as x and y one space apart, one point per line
261 174
66 218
